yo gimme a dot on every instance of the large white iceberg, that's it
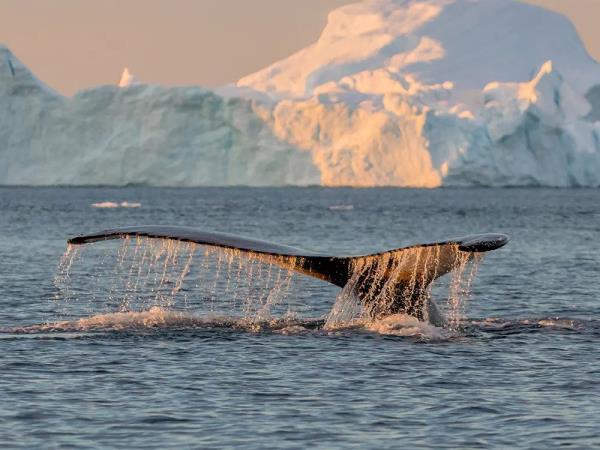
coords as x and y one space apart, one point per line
137 134
418 93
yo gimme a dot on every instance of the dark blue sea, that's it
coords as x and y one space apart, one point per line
118 346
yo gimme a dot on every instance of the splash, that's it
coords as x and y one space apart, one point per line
62 278
377 281
145 273
463 275
155 317
408 326
160 320
64 265
382 285
172 275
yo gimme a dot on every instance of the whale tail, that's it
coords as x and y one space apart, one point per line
388 282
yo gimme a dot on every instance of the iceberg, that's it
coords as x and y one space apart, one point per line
137 134
411 93
128 79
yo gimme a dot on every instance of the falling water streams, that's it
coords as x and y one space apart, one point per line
146 274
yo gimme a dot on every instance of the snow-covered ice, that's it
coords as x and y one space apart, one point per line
394 92
128 79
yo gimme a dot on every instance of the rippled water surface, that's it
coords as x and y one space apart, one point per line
91 362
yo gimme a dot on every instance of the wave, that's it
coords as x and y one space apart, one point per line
341 207
497 324
399 325
155 317
160 318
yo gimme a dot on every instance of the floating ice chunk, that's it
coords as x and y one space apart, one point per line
105 205
130 205
117 205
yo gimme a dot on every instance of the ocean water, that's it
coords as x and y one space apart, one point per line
89 360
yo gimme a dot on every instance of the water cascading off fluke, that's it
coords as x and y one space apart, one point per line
217 273
145 273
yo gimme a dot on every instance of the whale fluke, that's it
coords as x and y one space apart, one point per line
387 282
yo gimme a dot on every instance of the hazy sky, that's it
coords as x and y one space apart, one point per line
73 44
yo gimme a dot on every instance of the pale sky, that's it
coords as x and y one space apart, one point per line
74 44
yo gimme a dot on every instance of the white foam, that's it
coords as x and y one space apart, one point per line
491 323
404 325
161 318
497 324
155 317
292 329
567 324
